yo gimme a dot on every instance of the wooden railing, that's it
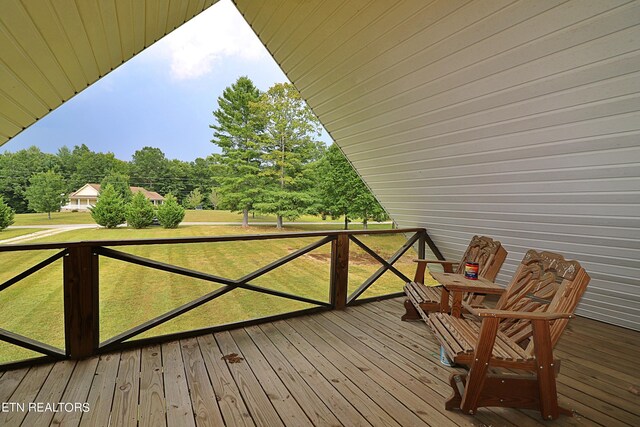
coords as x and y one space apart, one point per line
81 283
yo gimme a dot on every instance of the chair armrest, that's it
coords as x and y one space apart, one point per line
436 261
506 314
422 266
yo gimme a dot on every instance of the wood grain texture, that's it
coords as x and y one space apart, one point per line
281 398
203 398
152 402
230 400
256 399
369 409
178 403
338 290
317 412
125 398
51 392
321 386
101 395
77 391
81 301
361 365
26 392
371 379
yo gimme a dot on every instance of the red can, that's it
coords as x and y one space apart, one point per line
471 270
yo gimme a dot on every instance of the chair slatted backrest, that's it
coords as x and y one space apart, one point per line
544 282
488 253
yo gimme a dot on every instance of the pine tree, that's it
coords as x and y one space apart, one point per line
109 209
342 192
237 133
139 212
170 213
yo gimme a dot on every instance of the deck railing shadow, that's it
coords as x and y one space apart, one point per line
81 285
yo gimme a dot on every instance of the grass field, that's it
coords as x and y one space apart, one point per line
130 295
58 218
15 232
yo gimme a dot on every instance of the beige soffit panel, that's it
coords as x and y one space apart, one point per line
51 50
515 119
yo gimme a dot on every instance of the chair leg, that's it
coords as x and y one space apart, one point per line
457 382
480 366
410 312
545 370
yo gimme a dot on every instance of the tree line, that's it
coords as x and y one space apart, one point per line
73 168
270 162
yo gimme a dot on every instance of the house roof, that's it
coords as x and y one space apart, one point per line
151 195
516 120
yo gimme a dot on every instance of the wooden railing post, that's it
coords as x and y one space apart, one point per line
422 241
339 271
81 302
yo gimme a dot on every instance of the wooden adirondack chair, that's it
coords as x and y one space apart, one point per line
519 334
421 299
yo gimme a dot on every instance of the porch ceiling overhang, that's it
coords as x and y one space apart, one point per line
51 50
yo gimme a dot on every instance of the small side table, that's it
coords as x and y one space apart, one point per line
458 285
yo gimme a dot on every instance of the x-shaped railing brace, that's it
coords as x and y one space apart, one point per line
230 285
386 265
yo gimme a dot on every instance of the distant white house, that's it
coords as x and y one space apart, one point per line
87 196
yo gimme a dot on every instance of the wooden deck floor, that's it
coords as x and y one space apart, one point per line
362 366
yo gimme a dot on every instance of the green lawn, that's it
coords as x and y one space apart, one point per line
56 218
15 232
130 295
191 216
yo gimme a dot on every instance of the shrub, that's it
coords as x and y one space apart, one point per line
193 199
139 212
109 209
170 213
6 215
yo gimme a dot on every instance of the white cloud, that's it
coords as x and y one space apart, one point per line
217 34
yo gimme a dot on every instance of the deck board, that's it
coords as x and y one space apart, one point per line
10 381
282 400
24 393
413 393
315 409
365 405
234 411
259 404
152 405
178 402
380 386
77 391
203 398
101 393
357 367
51 392
328 394
124 411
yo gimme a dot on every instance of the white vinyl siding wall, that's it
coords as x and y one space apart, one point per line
515 119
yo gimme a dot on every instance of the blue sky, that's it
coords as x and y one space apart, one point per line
164 96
